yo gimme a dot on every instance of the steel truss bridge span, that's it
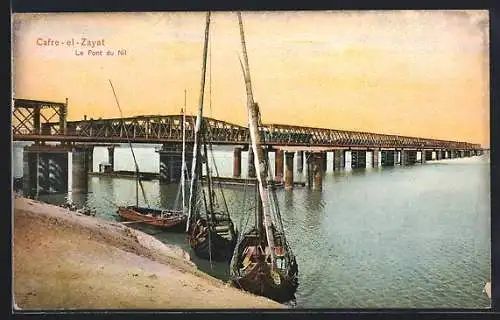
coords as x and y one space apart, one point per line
168 129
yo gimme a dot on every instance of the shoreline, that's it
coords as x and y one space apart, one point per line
63 260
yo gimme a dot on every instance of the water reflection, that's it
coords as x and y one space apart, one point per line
376 237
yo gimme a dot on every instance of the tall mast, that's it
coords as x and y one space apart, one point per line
253 123
137 177
183 176
196 147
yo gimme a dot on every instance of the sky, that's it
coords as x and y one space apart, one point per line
413 73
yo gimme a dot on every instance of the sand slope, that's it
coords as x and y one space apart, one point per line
66 261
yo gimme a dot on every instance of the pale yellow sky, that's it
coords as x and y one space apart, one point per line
415 73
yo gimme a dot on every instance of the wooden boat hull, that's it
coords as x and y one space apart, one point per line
213 245
253 273
171 220
260 281
218 249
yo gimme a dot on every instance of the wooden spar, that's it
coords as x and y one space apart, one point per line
253 121
183 168
209 178
137 177
199 117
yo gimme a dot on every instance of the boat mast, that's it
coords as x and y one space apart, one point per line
260 166
137 177
183 177
196 147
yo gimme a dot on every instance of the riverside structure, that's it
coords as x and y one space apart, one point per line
46 165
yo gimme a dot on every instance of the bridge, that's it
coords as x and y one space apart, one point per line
45 121
28 126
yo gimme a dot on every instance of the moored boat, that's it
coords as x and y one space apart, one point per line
173 220
211 232
263 262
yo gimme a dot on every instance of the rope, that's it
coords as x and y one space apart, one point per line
130 144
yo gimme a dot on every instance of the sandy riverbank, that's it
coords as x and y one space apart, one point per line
62 260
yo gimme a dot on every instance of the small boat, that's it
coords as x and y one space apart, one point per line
172 220
263 263
211 233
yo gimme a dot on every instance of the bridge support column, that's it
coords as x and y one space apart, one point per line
300 161
358 159
111 157
338 159
323 161
289 170
30 172
428 155
403 160
422 156
47 172
278 165
375 157
315 171
387 158
90 160
397 158
251 163
237 162
80 169
438 154
171 162
408 157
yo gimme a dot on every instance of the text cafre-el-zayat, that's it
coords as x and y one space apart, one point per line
82 42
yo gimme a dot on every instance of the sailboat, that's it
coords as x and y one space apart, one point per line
171 220
263 262
211 233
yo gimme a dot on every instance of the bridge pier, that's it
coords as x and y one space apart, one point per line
324 161
289 170
90 160
397 157
315 171
408 157
427 155
338 159
45 171
375 157
438 154
111 158
251 173
387 158
422 156
403 161
171 162
30 172
81 166
237 162
300 161
358 159
278 165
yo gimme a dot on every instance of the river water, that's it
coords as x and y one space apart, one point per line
401 237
